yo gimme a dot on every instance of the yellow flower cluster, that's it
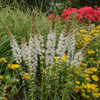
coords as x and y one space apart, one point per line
1 77
87 78
77 82
94 69
64 58
13 66
76 73
3 60
98 27
94 32
26 76
83 31
85 40
88 88
90 70
83 85
69 83
3 98
85 36
91 52
83 64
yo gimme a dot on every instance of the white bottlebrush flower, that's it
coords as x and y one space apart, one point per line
33 53
40 44
71 48
15 47
16 50
25 51
62 45
50 51
77 59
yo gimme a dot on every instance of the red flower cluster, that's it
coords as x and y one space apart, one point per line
51 17
85 13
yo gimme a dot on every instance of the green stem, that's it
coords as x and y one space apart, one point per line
32 91
55 89
42 87
24 90
46 96
64 93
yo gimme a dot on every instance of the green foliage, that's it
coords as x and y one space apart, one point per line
43 5
65 4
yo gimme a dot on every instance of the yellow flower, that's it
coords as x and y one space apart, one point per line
77 82
83 84
83 35
93 69
51 66
3 98
95 77
13 66
69 83
45 62
64 58
98 27
83 64
1 77
82 90
3 60
90 52
83 31
88 90
87 78
55 58
77 89
88 71
87 97
44 70
83 42
76 73
54 74
26 76
96 34
95 95
92 58
98 94
86 75
99 61
83 95
97 31
87 39
94 31
96 90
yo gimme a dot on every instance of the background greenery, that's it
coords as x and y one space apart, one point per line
48 5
